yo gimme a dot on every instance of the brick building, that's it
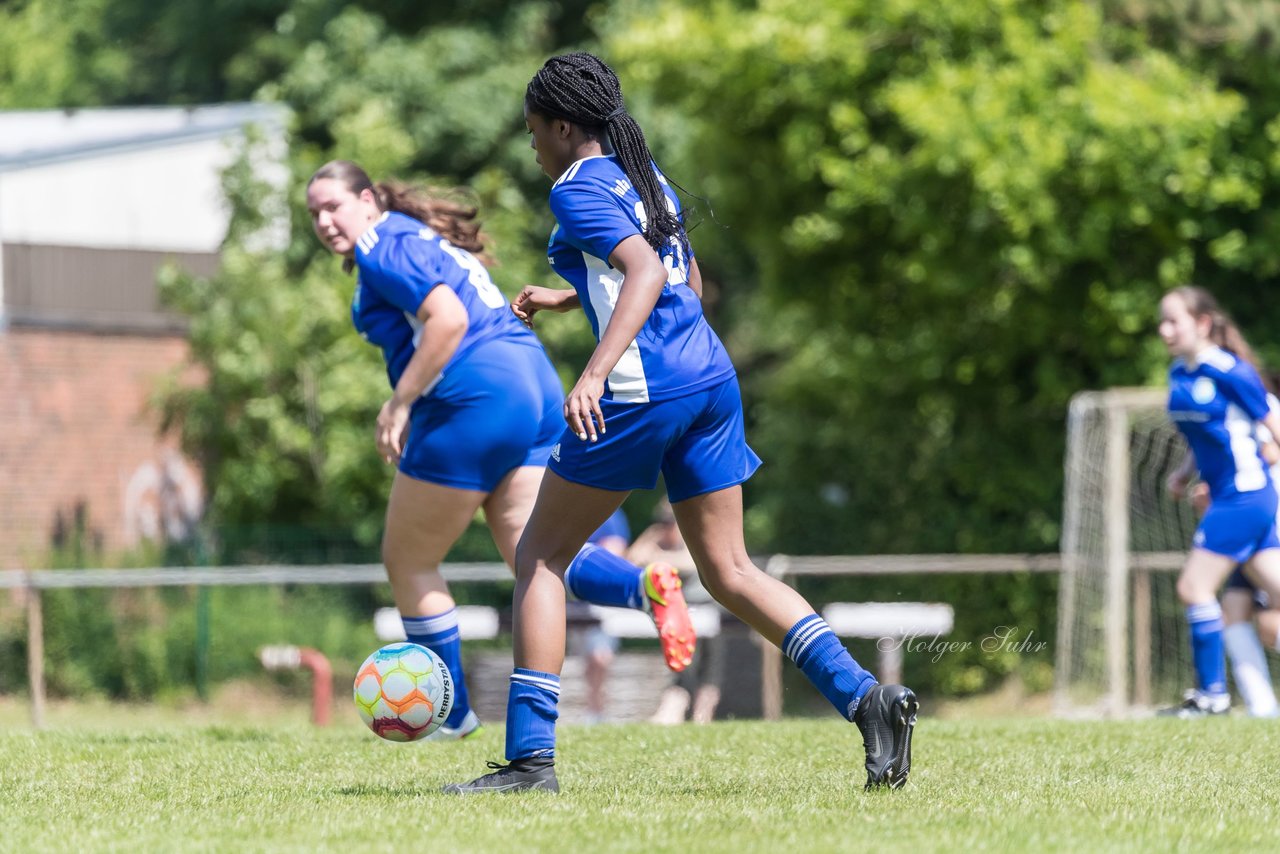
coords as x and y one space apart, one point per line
92 204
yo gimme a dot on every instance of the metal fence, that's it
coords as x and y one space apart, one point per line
783 567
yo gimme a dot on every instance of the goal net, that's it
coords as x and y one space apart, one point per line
1122 636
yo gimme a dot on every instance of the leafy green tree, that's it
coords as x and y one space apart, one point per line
83 53
957 216
283 422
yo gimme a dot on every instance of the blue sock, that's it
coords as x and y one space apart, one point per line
602 578
531 714
819 654
439 633
1206 647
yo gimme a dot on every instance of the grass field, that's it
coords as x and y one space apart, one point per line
114 783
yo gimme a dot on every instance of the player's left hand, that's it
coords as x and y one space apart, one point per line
390 432
1200 498
582 408
534 298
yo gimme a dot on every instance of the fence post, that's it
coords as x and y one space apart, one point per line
1142 638
35 652
202 643
771 656
203 607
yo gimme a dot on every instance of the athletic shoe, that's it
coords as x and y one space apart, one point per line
1196 704
470 726
666 603
886 716
536 773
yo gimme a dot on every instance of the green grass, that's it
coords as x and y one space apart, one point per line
978 784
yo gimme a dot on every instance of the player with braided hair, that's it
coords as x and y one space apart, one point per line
579 88
658 396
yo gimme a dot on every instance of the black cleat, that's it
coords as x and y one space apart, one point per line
1198 705
886 715
522 775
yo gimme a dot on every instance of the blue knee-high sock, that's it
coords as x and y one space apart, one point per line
439 633
819 654
602 578
531 714
1206 647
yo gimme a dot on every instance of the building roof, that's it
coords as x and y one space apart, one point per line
36 137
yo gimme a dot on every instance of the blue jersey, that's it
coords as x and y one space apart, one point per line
400 261
676 352
1216 404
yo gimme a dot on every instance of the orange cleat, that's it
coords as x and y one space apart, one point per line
666 603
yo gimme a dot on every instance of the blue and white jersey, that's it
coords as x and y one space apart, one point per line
676 352
1215 404
400 261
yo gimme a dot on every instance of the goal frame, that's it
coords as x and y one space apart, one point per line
1127 598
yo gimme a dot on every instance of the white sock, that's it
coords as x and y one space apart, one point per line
1249 667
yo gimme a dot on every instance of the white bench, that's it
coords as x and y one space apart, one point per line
477 622
893 624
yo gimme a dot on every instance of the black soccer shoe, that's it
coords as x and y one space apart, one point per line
886 715
537 773
1198 705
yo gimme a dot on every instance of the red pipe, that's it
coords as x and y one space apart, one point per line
321 684
292 657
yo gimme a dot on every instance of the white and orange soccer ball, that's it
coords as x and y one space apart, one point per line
404 692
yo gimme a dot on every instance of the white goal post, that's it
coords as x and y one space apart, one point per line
1121 637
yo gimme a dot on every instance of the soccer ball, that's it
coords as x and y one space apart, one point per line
404 692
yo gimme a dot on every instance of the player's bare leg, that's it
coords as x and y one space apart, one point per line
885 714
1202 576
424 520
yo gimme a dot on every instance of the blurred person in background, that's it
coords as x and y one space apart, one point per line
597 646
475 406
695 691
1216 400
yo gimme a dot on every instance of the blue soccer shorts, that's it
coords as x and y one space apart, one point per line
497 409
696 442
1239 526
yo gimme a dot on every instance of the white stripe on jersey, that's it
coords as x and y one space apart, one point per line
627 381
1218 358
417 340
573 170
370 238
1250 475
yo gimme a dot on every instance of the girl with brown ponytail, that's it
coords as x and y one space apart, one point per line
475 407
1217 400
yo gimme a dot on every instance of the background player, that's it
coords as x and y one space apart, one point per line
1215 398
598 647
474 411
658 395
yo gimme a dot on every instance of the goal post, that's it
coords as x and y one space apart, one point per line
1121 637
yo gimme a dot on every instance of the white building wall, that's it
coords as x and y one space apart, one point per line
164 198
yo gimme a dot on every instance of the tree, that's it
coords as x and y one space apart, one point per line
283 422
957 216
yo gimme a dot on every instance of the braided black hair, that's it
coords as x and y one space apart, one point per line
581 89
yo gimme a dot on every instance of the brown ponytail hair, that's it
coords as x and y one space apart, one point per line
439 210
1222 329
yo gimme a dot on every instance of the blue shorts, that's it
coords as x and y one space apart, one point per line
1240 526
697 442
500 408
